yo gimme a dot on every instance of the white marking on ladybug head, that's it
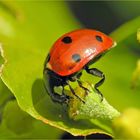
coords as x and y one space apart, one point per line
114 44
49 66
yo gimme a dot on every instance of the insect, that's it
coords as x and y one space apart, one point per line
69 56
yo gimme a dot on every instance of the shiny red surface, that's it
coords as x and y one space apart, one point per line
84 43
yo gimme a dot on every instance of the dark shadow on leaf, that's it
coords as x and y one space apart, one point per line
54 112
93 136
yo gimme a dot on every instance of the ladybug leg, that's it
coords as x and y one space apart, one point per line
97 73
73 92
77 78
80 85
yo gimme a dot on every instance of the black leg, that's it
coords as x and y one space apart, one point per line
80 85
97 73
73 92
58 98
77 78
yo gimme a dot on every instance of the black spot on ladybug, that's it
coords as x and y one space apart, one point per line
71 67
67 40
99 38
76 57
48 58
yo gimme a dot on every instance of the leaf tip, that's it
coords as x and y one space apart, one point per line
93 108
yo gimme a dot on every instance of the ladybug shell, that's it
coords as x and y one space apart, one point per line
71 52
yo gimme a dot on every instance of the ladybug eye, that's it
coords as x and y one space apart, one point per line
67 40
99 38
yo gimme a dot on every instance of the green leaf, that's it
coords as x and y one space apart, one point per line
121 34
138 35
23 72
136 73
14 118
18 124
136 76
25 52
94 106
5 94
118 66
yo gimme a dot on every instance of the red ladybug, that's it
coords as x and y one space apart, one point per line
69 56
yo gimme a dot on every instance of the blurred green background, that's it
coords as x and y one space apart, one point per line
31 27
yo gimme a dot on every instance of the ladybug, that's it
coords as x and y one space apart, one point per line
69 56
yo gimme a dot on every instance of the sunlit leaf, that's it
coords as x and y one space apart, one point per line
25 51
